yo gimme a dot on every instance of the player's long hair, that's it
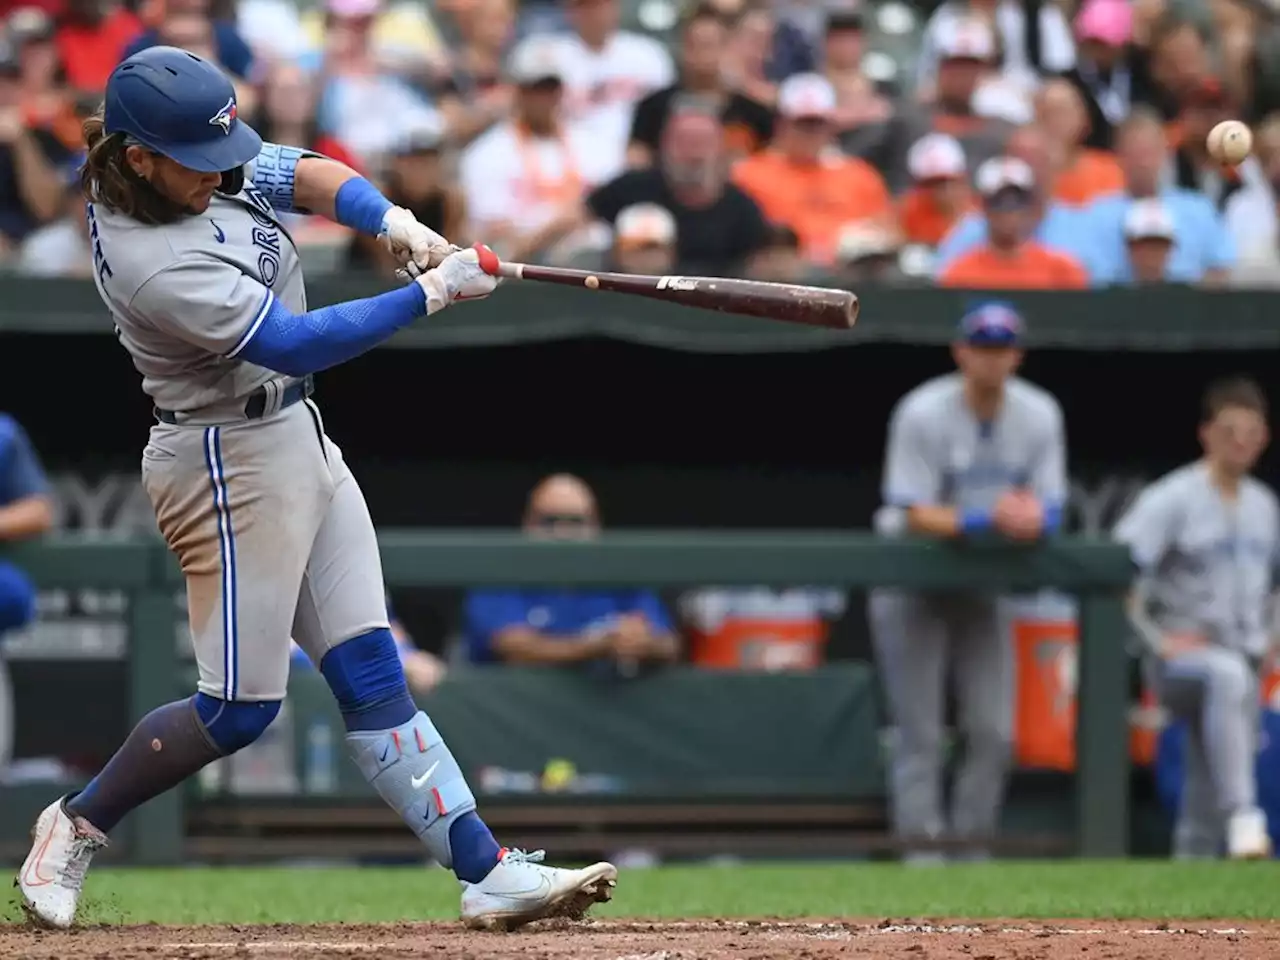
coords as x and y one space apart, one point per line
106 178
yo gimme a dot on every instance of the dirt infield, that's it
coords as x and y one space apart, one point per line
668 940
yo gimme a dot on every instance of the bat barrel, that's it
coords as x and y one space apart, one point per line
786 302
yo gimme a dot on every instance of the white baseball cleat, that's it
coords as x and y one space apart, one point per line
1247 837
53 873
520 890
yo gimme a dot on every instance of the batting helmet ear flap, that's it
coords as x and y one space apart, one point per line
232 181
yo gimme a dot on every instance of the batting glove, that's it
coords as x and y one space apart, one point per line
416 247
459 277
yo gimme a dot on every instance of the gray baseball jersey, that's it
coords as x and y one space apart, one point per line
185 295
939 453
1210 563
268 523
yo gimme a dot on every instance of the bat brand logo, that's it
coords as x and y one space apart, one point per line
677 283
224 117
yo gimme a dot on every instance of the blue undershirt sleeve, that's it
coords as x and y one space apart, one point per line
299 344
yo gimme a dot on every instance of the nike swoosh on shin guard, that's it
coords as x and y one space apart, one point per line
414 771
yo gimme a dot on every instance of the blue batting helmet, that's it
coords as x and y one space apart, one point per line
181 106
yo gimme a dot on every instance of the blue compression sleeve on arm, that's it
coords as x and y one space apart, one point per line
360 206
298 344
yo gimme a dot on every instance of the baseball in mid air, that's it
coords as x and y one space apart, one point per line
1230 142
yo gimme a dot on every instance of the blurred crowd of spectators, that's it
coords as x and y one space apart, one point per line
998 143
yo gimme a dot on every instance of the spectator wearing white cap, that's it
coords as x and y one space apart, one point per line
939 195
1149 234
1029 48
1011 258
804 180
644 240
867 252
1055 225
520 173
1203 252
606 71
967 56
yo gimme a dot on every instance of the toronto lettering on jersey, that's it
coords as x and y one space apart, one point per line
265 236
100 265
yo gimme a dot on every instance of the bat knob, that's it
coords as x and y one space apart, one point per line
489 262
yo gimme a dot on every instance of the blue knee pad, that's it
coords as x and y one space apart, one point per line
368 682
234 724
17 598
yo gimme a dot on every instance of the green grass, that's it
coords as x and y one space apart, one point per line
1141 889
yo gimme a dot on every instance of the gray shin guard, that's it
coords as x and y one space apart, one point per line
414 772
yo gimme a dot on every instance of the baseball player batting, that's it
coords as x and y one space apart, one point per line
269 524
972 453
1206 539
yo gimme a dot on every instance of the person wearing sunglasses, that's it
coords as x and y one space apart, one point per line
612 630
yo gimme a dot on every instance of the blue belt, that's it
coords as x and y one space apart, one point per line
256 406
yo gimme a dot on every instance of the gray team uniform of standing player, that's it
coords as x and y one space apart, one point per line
272 552
940 454
1207 566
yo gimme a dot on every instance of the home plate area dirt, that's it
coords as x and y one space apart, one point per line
668 940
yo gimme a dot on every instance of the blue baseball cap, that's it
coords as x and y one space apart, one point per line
992 325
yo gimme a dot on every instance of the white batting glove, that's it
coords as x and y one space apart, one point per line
459 277
416 247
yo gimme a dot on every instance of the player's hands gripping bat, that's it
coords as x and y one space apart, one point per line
416 247
786 302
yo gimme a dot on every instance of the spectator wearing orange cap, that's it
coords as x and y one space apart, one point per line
644 240
939 195
1083 174
803 180
1010 259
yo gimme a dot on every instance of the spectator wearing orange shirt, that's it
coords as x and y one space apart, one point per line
1083 174
803 180
92 37
939 195
1010 259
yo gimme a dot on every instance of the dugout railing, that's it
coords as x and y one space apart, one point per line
1094 571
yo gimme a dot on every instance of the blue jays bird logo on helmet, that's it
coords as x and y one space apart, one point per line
224 117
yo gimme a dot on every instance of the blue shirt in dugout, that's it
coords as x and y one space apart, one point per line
20 472
551 612
1200 243
21 476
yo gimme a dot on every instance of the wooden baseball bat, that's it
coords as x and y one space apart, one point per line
786 302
